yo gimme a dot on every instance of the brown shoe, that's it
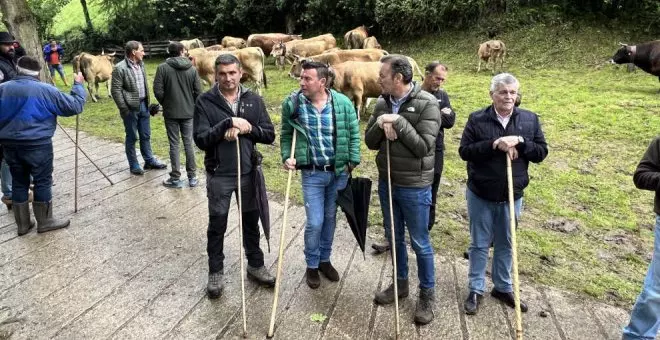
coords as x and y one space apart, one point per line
329 271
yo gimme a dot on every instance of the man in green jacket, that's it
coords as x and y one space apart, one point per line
130 92
408 118
176 87
327 149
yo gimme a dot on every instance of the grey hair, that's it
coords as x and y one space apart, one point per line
399 64
131 47
503 79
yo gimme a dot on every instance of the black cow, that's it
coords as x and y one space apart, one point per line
645 56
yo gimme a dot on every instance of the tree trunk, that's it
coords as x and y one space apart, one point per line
20 22
88 20
290 23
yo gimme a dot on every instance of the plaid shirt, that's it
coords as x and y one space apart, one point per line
319 128
139 78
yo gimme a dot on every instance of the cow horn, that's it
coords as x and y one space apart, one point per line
622 44
113 54
102 51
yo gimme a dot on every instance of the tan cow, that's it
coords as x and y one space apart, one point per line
371 42
304 47
354 39
96 69
266 41
337 57
220 48
239 43
192 43
251 58
491 51
358 80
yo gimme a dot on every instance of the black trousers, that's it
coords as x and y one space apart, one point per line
219 190
439 164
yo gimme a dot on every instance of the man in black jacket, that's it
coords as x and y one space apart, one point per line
224 114
7 72
500 130
645 315
176 87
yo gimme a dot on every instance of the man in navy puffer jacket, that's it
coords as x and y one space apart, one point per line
28 118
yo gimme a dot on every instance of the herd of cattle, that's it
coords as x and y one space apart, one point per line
355 68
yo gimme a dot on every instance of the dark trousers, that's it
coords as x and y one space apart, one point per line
439 164
219 190
30 160
173 127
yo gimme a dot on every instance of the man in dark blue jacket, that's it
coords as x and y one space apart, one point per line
28 118
500 130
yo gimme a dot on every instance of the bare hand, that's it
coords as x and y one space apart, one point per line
390 132
232 134
512 153
446 110
510 141
290 164
78 78
243 125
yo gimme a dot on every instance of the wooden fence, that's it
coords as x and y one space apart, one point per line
151 48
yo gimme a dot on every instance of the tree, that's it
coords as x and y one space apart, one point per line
22 24
88 20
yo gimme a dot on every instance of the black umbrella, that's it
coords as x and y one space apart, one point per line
354 201
262 195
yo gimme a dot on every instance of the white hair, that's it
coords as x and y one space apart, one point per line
503 79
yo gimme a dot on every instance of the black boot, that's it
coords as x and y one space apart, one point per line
424 309
387 296
43 211
471 304
24 222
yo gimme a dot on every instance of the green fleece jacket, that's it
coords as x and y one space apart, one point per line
346 138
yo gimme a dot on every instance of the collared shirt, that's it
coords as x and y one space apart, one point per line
504 120
139 78
232 105
396 103
320 127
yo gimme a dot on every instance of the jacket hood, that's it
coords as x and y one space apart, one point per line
179 63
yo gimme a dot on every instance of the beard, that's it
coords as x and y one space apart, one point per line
8 55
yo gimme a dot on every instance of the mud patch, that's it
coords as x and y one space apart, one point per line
563 225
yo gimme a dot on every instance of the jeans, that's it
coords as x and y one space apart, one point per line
5 179
219 190
411 208
173 126
136 123
320 195
645 315
53 68
26 160
489 223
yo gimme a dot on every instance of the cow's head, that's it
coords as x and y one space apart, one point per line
296 67
110 57
295 36
623 55
279 49
242 43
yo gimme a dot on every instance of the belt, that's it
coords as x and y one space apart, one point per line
329 167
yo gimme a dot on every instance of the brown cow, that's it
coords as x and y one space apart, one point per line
308 47
251 58
337 57
239 43
192 43
266 40
95 69
354 38
491 51
220 48
371 42
358 80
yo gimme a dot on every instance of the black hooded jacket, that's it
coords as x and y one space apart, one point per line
176 87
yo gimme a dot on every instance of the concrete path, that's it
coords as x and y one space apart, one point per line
133 265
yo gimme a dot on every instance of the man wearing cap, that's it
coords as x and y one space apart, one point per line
7 72
28 117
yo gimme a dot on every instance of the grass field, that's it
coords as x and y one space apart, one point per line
585 227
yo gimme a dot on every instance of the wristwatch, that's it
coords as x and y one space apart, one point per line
521 140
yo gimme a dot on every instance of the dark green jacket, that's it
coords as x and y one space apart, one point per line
412 154
346 139
176 87
124 88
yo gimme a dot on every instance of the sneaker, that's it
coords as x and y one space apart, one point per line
173 183
215 285
192 181
137 171
156 165
508 299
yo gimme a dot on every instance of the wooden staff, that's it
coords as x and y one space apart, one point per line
393 246
240 234
85 154
280 256
75 177
514 246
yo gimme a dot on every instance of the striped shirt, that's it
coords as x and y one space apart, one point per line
139 78
319 126
396 103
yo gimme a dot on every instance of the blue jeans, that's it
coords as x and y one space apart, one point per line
411 208
26 160
645 316
320 194
136 123
5 179
58 68
489 224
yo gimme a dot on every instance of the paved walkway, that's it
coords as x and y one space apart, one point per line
133 265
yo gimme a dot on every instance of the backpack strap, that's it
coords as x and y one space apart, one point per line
295 100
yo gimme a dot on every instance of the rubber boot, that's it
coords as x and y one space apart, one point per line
24 222
43 211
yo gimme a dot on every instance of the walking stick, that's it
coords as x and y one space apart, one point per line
280 256
393 246
514 246
86 156
75 177
240 233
